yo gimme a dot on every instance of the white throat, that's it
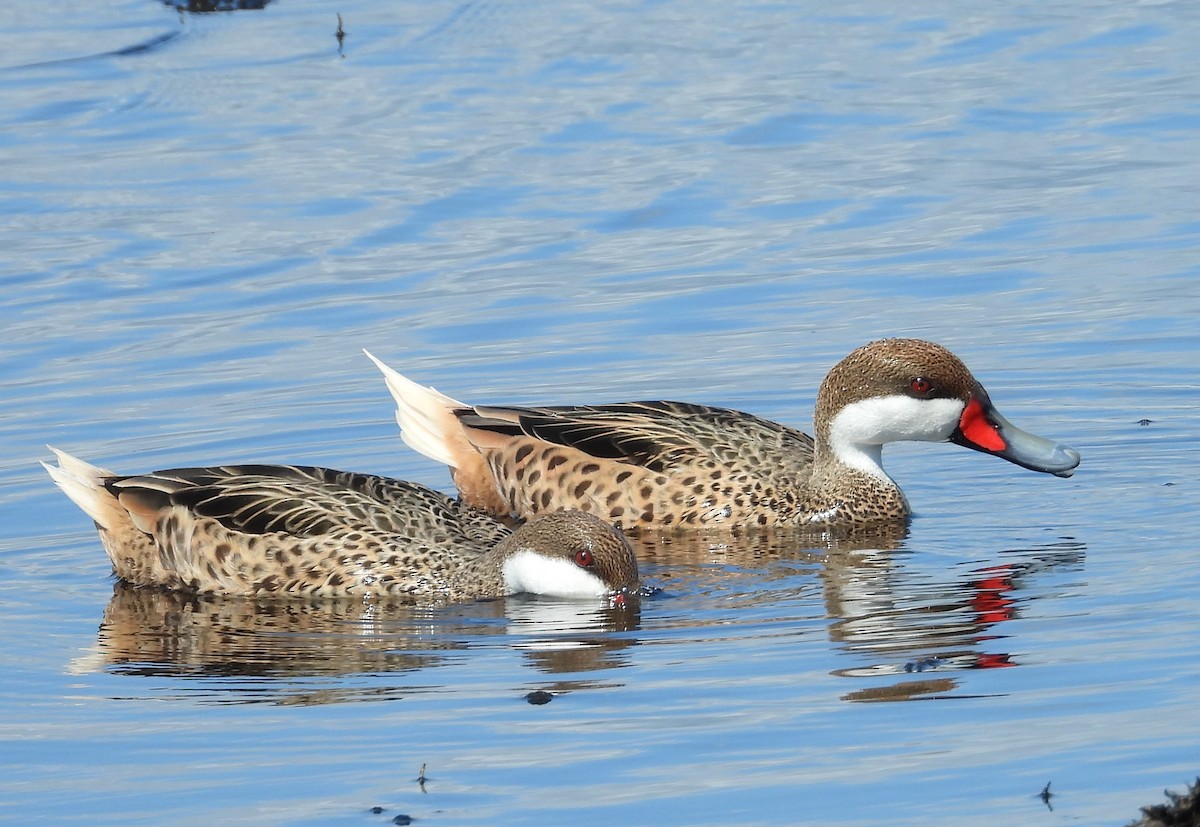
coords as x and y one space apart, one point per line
528 571
859 431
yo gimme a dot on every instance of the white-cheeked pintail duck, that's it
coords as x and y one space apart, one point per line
282 530
675 464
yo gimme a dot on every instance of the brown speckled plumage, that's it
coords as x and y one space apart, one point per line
296 530
671 464
651 463
679 465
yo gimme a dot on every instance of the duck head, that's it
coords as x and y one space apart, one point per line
909 389
568 554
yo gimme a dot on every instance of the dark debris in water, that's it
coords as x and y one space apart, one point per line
210 6
403 819
538 697
1181 810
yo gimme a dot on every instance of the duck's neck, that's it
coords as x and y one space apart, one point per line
849 486
481 575
852 456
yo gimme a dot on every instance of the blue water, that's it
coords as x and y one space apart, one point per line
205 217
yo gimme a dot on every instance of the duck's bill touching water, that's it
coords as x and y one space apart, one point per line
304 531
567 554
666 464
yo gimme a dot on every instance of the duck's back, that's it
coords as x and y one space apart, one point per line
298 529
307 501
642 463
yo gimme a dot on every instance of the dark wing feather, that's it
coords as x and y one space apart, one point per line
299 500
658 435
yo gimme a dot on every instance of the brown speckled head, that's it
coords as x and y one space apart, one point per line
909 389
893 367
585 541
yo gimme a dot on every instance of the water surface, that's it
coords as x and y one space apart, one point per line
206 216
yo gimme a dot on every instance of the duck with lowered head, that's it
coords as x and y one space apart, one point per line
288 530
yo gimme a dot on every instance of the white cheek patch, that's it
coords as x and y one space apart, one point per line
527 571
859 430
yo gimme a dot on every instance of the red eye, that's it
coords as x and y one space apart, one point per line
584 558
921 385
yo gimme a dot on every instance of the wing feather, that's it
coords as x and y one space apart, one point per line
657 435
299 500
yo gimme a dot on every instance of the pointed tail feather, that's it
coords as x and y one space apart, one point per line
125 535
426 419
84 484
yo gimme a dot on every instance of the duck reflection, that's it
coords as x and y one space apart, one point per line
902 630
558 639
909 627
267 646
899 621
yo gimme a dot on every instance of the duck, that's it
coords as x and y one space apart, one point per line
672 465
303 531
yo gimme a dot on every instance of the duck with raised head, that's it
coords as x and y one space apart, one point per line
302 531
676 464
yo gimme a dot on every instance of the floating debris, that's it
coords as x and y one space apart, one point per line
1045 795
